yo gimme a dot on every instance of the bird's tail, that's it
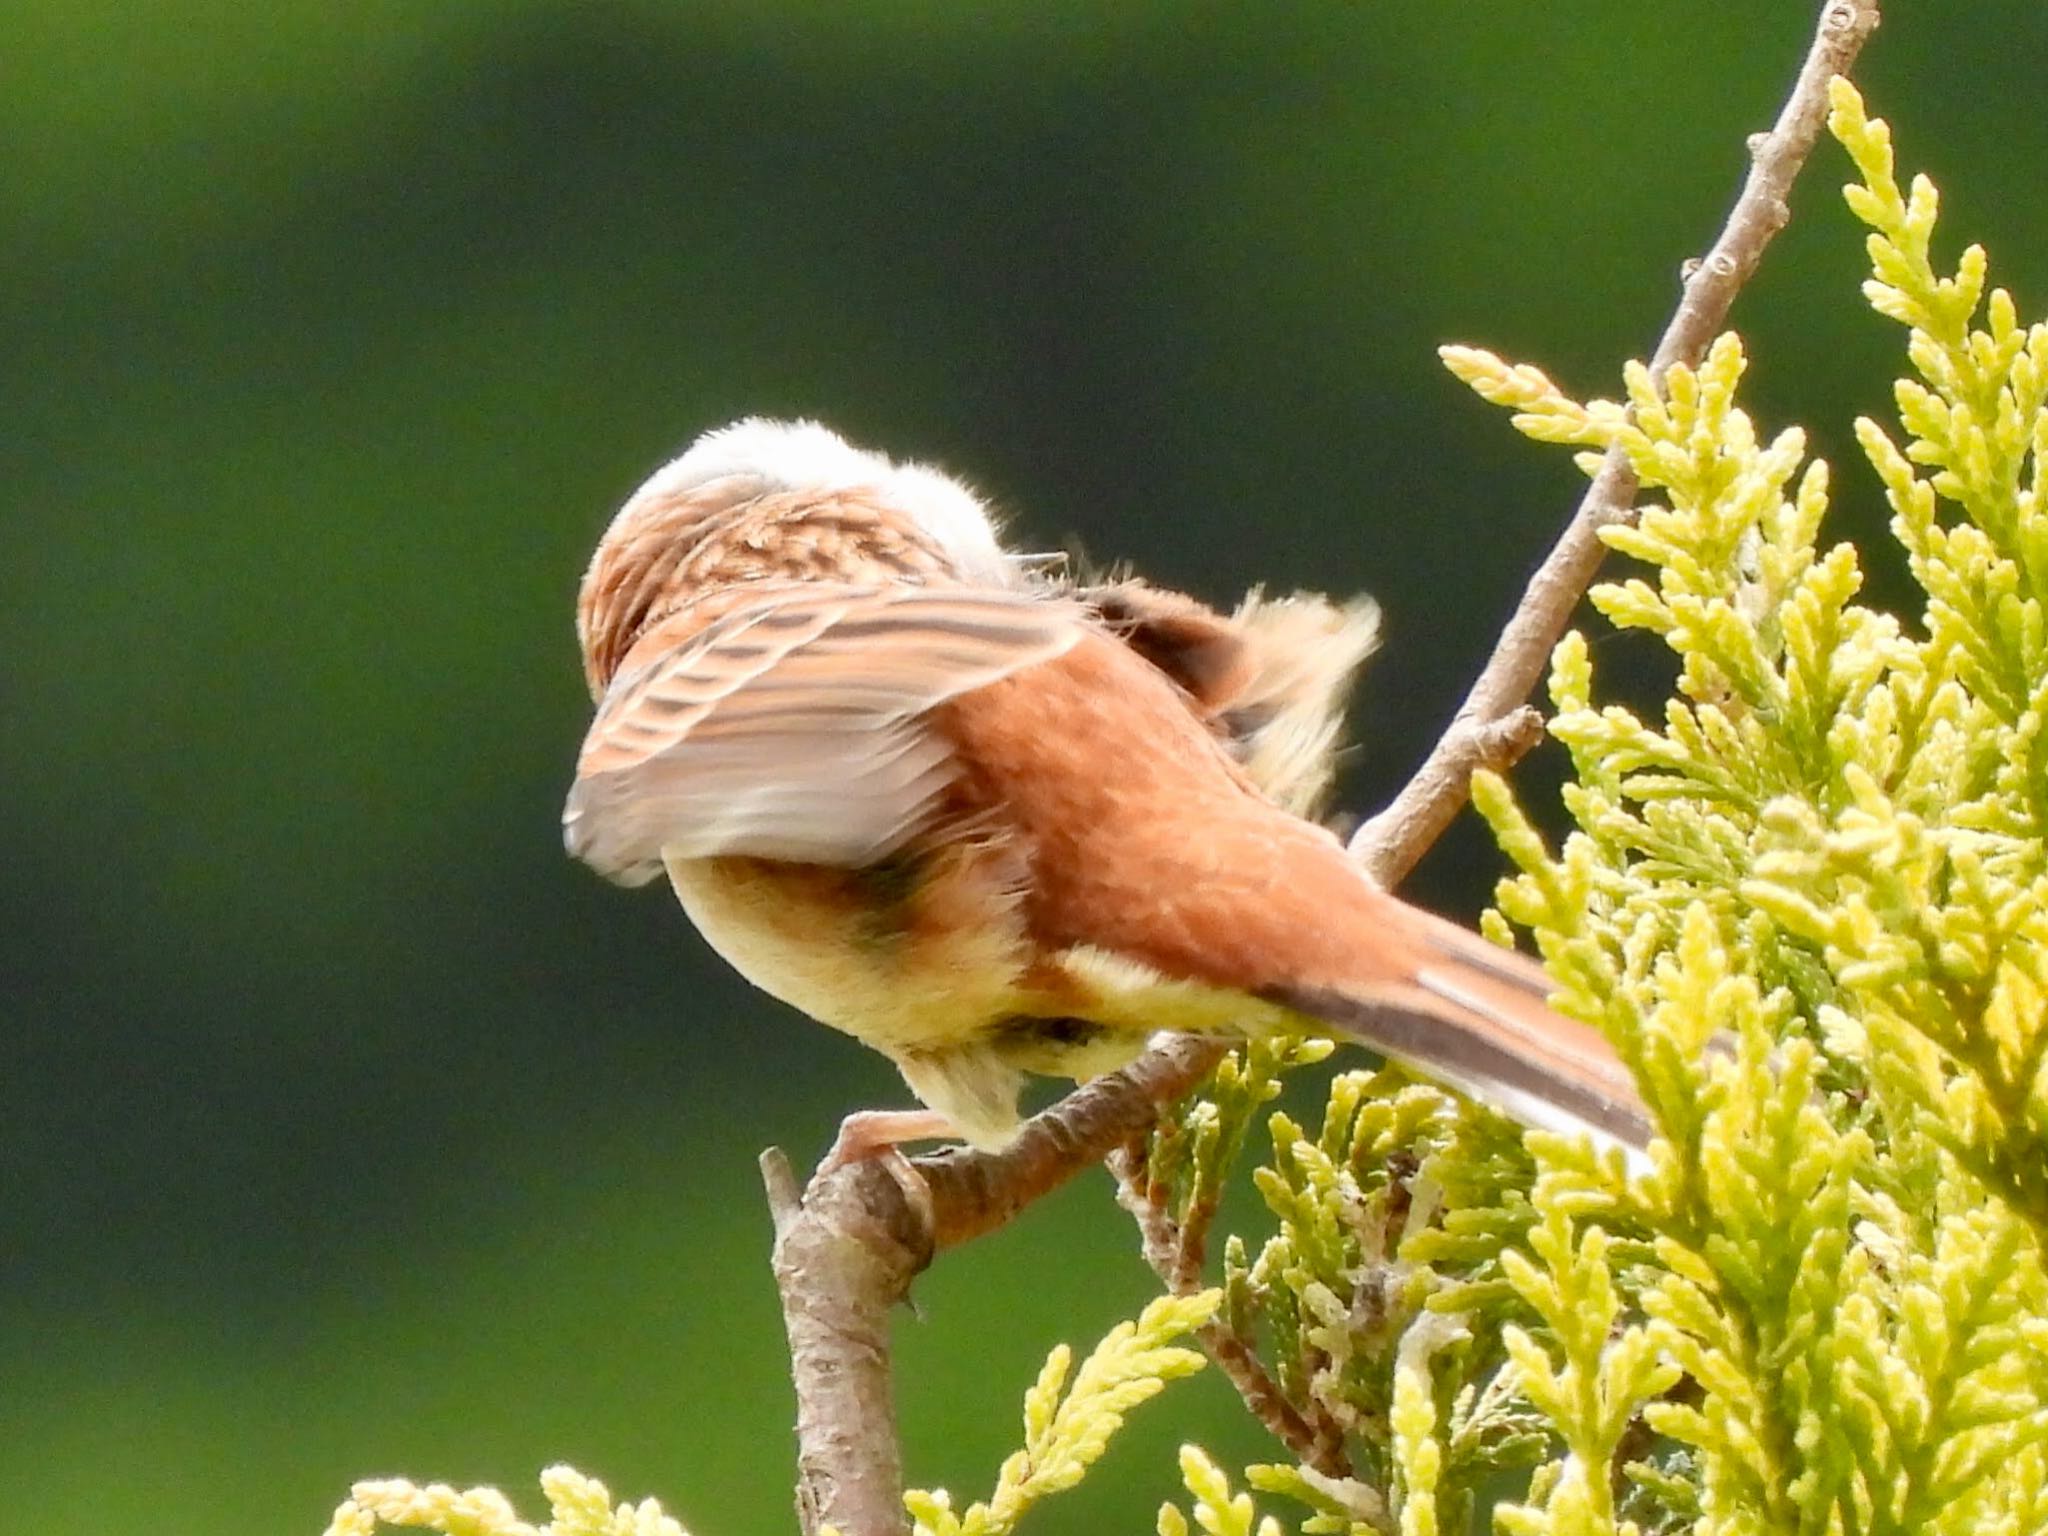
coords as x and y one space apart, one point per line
1474 1015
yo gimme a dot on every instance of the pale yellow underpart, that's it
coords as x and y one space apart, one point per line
823 958
938 1007
1133 997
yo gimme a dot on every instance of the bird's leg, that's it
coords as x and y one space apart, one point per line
875 1132
878 1134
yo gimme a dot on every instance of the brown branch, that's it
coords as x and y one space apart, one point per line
1391 842
1309 1435
975 1192
848 1247
846 1251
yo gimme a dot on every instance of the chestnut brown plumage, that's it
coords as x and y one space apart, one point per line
992 824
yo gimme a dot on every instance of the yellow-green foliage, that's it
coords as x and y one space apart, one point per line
1218 1511
1376 1302
579 1505
1067 1428
1809 905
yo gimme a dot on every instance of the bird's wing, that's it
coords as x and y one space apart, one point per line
791 728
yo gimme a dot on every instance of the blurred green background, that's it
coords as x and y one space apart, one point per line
348 1127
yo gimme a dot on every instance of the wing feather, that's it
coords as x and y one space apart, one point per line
794 728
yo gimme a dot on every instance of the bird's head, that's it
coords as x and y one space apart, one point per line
765 500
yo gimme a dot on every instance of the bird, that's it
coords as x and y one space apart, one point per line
999 822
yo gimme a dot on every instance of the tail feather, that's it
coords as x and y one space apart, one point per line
1480 1048
1475 1015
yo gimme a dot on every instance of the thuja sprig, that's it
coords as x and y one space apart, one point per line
578 1505
1068 1423
1810 906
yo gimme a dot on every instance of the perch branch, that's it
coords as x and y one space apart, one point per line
846 1251
848 1247
973 1193
1398 836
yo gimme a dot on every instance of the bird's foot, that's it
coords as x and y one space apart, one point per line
877 1135
879 1132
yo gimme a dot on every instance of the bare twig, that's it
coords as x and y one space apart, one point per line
1391 842
974 1192
847 1249
1308 1434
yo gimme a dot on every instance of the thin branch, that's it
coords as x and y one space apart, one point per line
976 1192
1390 844
1393 841
1309 1435
847 1249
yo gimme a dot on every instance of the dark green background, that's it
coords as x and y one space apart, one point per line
348 1127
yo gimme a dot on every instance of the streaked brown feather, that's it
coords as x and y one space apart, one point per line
668 550
1269 678
793 725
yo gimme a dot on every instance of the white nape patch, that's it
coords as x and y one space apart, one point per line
953 516
808 456
789 455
